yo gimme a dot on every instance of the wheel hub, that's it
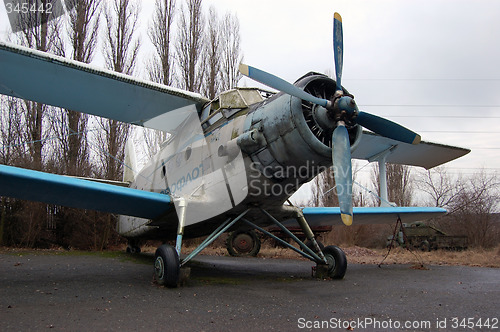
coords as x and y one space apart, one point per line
331 263
159 267
243 243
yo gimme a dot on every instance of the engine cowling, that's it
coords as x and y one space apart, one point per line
288 139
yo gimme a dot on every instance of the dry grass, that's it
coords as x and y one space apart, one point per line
358 255
355 255
471 257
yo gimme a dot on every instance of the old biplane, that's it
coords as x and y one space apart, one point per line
229 163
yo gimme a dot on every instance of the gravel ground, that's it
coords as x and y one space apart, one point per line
81 292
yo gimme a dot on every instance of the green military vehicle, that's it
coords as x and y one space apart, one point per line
419 235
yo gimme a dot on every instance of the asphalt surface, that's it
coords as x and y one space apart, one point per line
82 292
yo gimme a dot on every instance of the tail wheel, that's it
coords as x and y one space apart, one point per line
337 262
167 266
243 243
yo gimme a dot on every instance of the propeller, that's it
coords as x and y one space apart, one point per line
338 48
341 109
341 147
341 157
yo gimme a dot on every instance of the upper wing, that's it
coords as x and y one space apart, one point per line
73 192
54 80
425 154
327 216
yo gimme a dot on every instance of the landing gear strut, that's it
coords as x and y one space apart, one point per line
331 261
167 262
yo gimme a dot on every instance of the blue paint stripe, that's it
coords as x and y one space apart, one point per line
67 191
373 210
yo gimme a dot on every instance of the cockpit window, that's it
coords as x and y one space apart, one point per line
229 103
239 98
205 113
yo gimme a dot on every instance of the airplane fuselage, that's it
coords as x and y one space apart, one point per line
244 150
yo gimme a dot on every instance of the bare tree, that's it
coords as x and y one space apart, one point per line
37 32
161 67
121 49
473 208
160 34
222 53
72 127
24 130
190 46
83 33
399 183
324 192
213 56
231 51
122 44
441 188
12 147
471 203
11 151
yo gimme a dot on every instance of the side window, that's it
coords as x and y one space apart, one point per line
216 116
205 113
210 114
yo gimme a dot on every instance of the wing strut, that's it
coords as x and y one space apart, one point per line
382 176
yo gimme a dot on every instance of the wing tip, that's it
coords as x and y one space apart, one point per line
416 140
337 17
244 69
346 219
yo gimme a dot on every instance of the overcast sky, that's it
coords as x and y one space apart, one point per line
440 56
443 56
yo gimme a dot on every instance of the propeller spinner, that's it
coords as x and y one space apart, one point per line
341 109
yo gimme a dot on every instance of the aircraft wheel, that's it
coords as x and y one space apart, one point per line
243 243
133 250
337 262
167 266
133 246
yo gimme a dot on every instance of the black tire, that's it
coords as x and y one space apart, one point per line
337 262
243 243
310 245
167 266
425 246
133 250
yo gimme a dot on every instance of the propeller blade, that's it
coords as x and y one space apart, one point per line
387 128
338 48
341 155
280 84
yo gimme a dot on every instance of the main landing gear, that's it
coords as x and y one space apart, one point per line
167 266
331 260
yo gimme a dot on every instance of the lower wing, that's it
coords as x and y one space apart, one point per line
79 193
328 216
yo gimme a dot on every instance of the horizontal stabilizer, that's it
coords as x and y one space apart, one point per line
78 193
328 216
